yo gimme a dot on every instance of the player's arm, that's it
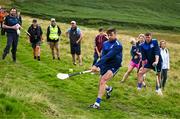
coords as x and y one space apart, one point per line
96 48
143 56
67 33
156 52
80 38
47 35
59 31
41 33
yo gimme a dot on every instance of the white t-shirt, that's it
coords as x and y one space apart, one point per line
165 58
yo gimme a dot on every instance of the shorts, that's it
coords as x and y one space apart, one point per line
104 69
134 64
150 66
54 44
75 49
35 44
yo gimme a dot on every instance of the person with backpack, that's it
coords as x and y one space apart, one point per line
166 63
35 38
53 34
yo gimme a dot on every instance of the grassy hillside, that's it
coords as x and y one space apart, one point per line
154 14
29 89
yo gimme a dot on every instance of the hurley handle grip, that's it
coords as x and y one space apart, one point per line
78 73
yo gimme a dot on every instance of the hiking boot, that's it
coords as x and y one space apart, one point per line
58 58
34 57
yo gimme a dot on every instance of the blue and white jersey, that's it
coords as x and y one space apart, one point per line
150 50
111 54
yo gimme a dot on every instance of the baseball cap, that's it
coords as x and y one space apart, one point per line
73 22
53 19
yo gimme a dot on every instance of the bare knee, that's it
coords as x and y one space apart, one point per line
38 47
103 81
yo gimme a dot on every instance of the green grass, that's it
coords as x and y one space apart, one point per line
30 89
154 14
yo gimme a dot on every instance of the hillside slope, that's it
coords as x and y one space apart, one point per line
30 89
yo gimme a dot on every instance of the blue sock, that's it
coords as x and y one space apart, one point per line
139 85
98 100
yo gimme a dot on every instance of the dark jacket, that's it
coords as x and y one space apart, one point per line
36 34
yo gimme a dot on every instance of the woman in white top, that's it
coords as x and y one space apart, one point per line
165 64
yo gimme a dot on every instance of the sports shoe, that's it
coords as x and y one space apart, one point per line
3 56
108 93
144 85
138 88
159 92
14 59
95 106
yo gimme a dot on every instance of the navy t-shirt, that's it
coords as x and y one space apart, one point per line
11 21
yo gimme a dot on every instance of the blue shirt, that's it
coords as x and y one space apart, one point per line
11 21
150 50
111 54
